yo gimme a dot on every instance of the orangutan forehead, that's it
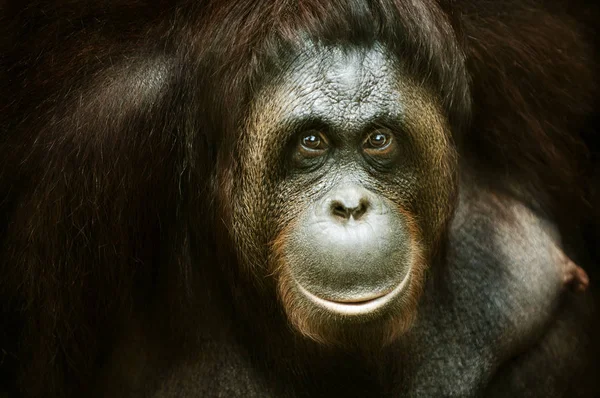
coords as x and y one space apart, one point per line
338 86
346 89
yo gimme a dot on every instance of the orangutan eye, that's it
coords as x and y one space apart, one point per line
377 141
313 141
